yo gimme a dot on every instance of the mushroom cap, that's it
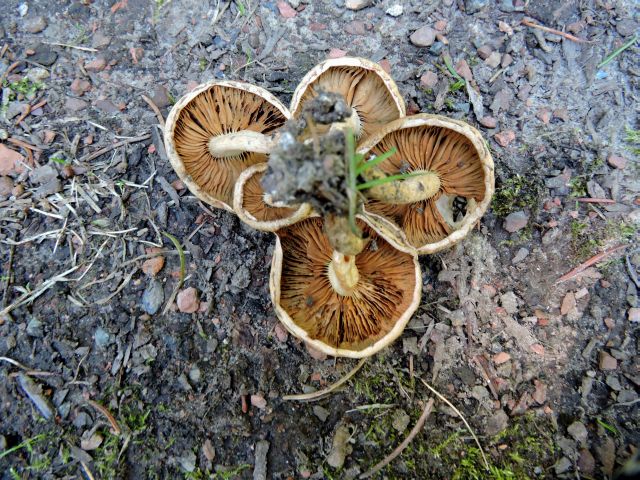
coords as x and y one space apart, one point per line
364 84
251 207
458 154
212 109
384 299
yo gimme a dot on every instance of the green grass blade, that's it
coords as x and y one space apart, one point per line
382 181
618 51
447 62
351 179
376 161
176 243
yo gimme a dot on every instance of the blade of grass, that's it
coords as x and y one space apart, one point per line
618 51
176 243
375 161
382 181
351 180
447 62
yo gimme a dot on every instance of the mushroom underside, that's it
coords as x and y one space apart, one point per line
255 203
218 111
362 89
454 159
383 293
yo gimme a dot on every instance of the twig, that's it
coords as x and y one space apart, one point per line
87 471
631 269
104 150
28 109
176 243
309 397
14 363
452 407
4 49
9 70
592 261
568 36
595 200
106 413
22 144
66 45
405 443
618 51
155 109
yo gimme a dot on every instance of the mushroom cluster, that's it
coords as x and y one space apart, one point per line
353 189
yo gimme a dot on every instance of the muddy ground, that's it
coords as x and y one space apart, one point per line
546 373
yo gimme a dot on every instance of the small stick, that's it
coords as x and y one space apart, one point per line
9 70
568 36
595 200
104 150
309 397
155 109
405 443
22 144
106 413
66 45
28 109
5 47
593 260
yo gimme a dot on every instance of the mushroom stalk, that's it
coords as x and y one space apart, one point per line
235 143
413 189
343 273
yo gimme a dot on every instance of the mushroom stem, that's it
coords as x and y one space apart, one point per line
341 237
413 189
343 273
235 143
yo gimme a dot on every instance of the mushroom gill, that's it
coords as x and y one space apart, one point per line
456 161
365 86
220 109
378 307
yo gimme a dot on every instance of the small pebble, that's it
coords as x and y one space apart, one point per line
607 362
505 137
357 4
187 300
395 10
516 221
152 297
423 37
321 412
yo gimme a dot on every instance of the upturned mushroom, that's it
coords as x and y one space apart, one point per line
257 209
218 130
370 92
343 305
451 184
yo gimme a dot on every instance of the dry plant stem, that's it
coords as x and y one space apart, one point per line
441 397
595 200
235 143
343 273
405 443
592 261
310 397
568 36
104 150
410 190
107 414
155 109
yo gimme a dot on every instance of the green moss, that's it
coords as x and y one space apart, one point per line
516 193
24 87
633 140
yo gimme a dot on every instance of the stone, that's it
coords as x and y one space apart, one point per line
195 374
357 4
613 382
356 27
321 412
6 186
161 96
35 24
509 302
493 60
79 86
505 137
281 333
563 465
607 362
152 266
100 40
496 423
626 27
586 462
500 358
336 53
506 60
152 297
35 328
102 338
540 393
616 161
473 6
579 432
568 303
484 52
462 68
314 353
96 65
520 255
38 74
187 300
488 122
44 55
423 37
634 315
429 80
400 420
241 278
516 221
258 401
9 160
73 105
106 106
395 10
286 11
43 174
